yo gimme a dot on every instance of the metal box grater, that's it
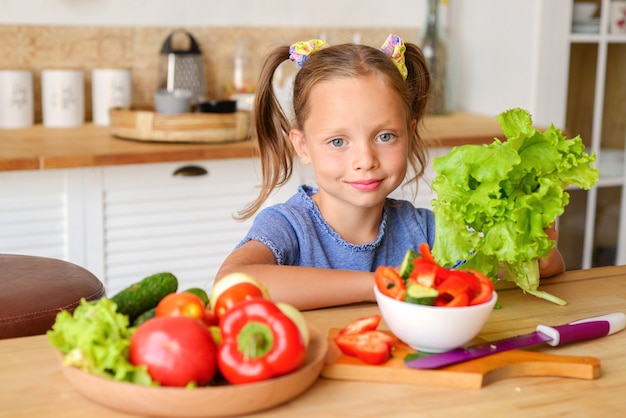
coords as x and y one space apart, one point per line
182 68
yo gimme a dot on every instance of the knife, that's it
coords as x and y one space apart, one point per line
580 330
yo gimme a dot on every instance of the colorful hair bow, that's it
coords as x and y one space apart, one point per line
300 51
394 48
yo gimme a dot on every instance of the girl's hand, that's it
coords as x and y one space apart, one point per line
553 264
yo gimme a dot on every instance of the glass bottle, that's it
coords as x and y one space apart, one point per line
437 49
243 76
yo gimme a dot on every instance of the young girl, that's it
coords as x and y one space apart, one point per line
356 115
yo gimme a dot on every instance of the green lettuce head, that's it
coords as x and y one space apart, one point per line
494 201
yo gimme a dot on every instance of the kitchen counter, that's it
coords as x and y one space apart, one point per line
41 148
33 385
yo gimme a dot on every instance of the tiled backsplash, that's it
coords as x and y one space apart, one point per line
38 47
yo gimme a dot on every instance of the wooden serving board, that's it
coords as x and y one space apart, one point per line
147 125
472 374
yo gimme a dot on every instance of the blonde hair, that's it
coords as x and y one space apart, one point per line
347 60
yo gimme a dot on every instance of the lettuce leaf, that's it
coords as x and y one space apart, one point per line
96 339
494 201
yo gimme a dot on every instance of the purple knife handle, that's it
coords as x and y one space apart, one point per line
584 329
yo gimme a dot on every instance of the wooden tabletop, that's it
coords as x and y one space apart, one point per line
89 145
32 383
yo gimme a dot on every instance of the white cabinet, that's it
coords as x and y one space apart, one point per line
126 222
154 219
41 213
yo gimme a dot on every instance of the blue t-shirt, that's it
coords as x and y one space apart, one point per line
298 235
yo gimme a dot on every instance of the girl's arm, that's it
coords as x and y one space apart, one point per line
303 287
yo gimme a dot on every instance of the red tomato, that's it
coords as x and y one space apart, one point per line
424 273
368 323
235 294
181 304
372 347
210 318
176 350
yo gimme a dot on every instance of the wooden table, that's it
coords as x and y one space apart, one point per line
41 148
32 384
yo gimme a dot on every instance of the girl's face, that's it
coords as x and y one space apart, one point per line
356 139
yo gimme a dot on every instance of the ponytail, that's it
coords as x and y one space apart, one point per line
272 132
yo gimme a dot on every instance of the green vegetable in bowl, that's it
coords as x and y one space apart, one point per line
494 201
96 339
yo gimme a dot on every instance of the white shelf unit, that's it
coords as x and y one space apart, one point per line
591 104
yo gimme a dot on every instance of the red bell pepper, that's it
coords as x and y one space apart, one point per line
454 291
486 288
259 342
471 280
372 347
389 282
426 254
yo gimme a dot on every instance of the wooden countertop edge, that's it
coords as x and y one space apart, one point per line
105 150
204 152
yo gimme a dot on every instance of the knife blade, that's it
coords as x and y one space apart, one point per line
580 330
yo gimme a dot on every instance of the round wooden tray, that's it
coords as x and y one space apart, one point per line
147 125
213 401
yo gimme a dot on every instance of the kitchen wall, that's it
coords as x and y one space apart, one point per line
496 40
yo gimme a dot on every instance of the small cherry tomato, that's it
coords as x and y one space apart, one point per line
209 317
235 294
235 287
181 304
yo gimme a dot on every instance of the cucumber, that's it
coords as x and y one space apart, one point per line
422 295
407 264
149 314
201 293
144 295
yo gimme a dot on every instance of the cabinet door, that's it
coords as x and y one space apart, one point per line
175 217
40 214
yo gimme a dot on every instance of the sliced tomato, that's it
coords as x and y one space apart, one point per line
424 273
426 254
389 282
369 323
486 288
372 347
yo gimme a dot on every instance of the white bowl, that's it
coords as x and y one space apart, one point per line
433 329
584 10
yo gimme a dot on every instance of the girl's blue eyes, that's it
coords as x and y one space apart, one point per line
386 137
339 142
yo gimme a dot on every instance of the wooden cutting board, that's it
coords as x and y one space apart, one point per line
147 125
472 374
